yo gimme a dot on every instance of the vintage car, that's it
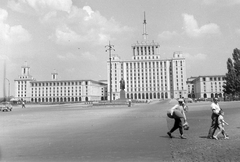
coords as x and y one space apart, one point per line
5 106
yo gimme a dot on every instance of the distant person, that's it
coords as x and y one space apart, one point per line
184 104
215 113
221 123
129 102
23 104
177 113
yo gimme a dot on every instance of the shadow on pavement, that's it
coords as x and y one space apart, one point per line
203 136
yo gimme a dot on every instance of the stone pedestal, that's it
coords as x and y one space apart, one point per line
122 99
122 95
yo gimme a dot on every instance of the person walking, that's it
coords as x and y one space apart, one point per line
221 123
215 113
129 102
23 104
177 113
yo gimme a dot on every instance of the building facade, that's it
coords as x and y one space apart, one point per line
29 89
206 86
147 76
191 87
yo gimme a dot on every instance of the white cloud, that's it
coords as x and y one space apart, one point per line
40 5
193 30
83 56
209 2
238 31
67 56
70 70
85 25
12 34
4 57
236 2
49 16
166 35
221 2
66 35
88 56
89 12
196 57
3 14
73 26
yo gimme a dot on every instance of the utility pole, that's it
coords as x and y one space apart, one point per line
110 48
8 88
4 75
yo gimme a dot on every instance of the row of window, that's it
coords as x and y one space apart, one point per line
145 89
57 84
145 50
213 83
213 78
46 88
142 65
149 57
147 95
22 95
65 94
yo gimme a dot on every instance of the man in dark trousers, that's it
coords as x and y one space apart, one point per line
215 113
177 113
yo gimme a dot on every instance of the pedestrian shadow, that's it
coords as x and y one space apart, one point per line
203 136
173 137
164 136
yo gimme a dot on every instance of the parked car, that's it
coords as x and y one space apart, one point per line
209 99
6 106
201 99
188 100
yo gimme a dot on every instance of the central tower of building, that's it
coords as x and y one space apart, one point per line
147 76
145 50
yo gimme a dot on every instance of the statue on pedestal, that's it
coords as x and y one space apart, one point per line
122 87
122 84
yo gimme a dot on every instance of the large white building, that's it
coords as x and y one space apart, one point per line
147 76
208 86
29 89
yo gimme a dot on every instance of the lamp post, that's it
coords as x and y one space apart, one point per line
110 48
8 87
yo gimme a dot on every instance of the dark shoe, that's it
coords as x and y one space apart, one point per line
169 134
182 137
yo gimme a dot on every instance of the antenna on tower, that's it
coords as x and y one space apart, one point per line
145 28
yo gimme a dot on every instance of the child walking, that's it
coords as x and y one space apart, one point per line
221 123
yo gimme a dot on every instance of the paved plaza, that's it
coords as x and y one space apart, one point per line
74 132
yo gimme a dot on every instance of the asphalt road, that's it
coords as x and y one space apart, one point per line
76 133
107 134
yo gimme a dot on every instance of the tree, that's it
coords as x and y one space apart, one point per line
236 58
229 86
232 77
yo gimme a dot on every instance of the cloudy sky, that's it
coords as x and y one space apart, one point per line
70 35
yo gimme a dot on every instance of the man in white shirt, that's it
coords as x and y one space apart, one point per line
215 113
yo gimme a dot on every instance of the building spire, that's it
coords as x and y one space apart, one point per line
54 74
145 28
25 64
